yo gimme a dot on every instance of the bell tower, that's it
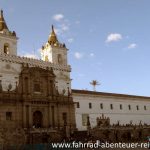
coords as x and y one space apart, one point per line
54 51
8 39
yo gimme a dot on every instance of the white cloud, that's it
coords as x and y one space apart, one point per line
92 54
58 17
132 46
58 31
65 27
61 29
31 56
78 55
70 40
113 37
62 26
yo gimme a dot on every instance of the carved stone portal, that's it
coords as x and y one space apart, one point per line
37 119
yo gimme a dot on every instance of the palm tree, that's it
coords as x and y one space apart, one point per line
94 83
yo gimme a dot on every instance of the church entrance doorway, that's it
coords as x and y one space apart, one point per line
37 119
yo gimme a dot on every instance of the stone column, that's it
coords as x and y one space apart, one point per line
30 117
48 86
58 119
27 116
53 115
48 120
24 116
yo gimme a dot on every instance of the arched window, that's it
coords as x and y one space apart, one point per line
6 48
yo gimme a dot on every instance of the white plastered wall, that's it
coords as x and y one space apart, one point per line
124 116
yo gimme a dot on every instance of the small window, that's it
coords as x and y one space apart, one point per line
8 115
111 106
101 105
137 107
78 105
120 106
90 105
129 106
145 108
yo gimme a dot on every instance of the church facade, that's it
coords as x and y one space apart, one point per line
37 93
34 93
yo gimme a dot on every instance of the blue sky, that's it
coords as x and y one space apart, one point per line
108 40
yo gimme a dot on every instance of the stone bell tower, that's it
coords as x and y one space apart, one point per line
8 39
54 51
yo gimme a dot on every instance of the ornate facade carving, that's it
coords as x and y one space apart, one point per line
25 100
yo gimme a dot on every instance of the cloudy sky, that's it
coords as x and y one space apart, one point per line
108 40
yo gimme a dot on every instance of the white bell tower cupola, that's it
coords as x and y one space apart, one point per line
8 39
54 51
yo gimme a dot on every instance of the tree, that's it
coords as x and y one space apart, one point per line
94 83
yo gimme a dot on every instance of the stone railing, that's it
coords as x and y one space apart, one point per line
33 62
